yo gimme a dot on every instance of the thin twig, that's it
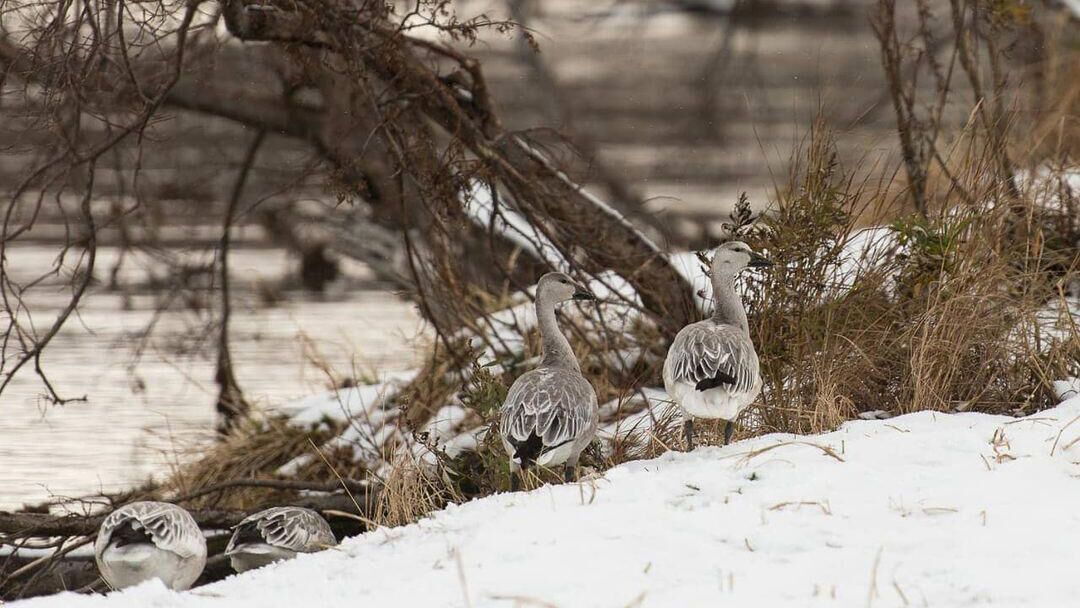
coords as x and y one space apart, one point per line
231 403
824 449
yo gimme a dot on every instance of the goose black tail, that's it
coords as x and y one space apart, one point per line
127 534
529 450
720 379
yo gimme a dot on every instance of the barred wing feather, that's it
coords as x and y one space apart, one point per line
170 527
291 528
554 404
705 350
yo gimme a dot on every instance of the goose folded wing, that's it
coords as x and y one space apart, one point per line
295 530
171 529
556 410
714 357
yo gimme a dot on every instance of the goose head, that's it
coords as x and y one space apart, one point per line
558 287
733 256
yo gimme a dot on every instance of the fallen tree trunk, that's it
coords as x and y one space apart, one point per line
46 525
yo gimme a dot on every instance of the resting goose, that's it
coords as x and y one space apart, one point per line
711 370
145 540
549 415
276 534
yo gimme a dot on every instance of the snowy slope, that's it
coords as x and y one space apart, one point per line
925 509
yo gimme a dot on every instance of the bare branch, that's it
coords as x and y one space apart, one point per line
231 404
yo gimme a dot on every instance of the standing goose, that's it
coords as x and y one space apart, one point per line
711 370
276 534
550 414
145 540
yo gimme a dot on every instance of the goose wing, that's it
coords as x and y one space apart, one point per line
709 355
556 405
293 528
170 527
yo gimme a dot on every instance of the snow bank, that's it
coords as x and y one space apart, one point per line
344 404
923 509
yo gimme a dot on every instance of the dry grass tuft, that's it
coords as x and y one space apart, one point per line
409 493
255 449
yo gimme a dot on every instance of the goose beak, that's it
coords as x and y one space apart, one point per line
759 261
583 294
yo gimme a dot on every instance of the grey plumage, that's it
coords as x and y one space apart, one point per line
145 540
558 406
706 349
276 534
712 369
550 413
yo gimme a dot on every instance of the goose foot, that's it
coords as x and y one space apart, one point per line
729 430
568 473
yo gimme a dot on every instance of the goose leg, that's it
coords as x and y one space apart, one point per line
729 429
570 471
688 430
516 476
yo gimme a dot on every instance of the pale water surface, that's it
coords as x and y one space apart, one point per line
137 420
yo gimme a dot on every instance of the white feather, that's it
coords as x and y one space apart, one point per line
713 403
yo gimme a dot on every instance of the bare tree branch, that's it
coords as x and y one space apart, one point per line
613 244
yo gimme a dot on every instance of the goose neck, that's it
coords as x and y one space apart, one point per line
556 351
727 305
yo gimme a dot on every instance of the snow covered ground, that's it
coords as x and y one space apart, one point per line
920 510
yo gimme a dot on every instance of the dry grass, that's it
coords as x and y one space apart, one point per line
255 449
945 320
408 494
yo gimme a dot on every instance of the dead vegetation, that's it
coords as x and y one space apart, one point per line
943 312
957 302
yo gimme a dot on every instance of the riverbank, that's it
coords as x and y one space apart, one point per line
923 509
